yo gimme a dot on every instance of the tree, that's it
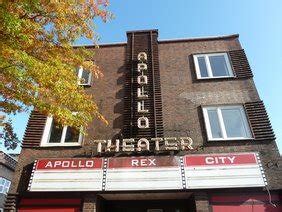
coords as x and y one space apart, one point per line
38 62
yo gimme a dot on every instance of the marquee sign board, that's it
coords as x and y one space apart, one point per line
144 173
228 170
223 171
67 175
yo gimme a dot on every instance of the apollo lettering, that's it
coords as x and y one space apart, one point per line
142 94
70 164
220 160
143 144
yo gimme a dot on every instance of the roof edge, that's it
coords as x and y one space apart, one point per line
173 40
8 155
100 45
7 160
142 31
198 38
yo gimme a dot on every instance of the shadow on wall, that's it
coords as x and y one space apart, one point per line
25 177
119 106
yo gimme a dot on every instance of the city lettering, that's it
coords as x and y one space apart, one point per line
220 160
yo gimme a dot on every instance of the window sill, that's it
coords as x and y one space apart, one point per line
231 139
61 145
85 85
217 78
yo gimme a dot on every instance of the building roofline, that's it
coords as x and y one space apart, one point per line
8 155
173 40
100 45
8 160
142 31
198 38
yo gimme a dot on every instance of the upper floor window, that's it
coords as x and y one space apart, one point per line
4 185
212 66
57 135
226 123
84 77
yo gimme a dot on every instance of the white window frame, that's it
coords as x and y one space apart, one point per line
221 122
79 75
5 180
208 65
47 134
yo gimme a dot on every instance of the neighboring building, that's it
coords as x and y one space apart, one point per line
187 132
7 168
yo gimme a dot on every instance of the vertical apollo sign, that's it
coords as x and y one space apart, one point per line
142 100
142 95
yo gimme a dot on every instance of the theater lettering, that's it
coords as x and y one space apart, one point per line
143 144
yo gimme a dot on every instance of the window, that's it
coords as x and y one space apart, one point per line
4 185
226 123
84 77
57 135
212 66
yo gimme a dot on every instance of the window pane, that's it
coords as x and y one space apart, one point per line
219 66
85 77
72 135
234 123
56 132
6 189
7 183
203 66
2 181
214 123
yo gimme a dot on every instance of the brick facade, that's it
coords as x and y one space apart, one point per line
182 97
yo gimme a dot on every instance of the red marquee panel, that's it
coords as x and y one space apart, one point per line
82 163
143 162
220 159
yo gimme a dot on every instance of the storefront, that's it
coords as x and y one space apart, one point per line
145 183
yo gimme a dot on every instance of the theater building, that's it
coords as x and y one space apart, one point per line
187 132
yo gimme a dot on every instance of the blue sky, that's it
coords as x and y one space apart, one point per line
257 21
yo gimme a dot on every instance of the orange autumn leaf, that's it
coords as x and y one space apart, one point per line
38 62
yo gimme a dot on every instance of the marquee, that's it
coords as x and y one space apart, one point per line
192 171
